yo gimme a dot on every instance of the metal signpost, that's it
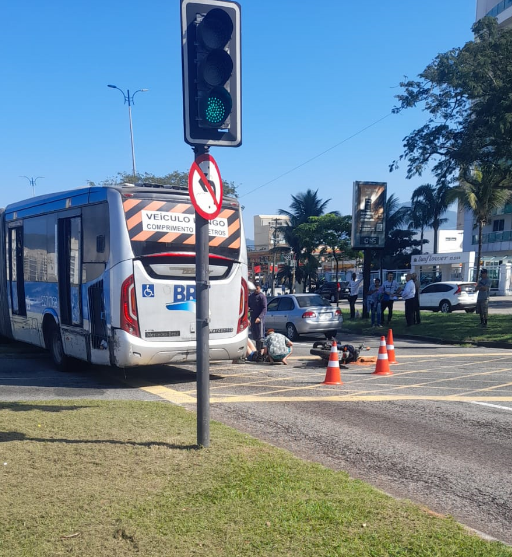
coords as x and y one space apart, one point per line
212 115
205 189
368 225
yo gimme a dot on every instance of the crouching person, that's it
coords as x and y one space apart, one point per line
277 347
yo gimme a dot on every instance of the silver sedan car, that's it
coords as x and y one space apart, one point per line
302 314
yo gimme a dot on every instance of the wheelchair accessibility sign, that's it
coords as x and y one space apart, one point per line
148 290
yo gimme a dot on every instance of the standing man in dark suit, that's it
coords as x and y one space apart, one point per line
258 309
417 314
408 294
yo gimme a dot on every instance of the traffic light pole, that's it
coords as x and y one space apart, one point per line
202 323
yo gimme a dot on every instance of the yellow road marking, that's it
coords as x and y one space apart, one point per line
169 394
382 385
492 388
177 397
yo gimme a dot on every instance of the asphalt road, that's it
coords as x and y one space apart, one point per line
437 431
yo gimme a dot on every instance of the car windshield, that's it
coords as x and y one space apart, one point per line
314 300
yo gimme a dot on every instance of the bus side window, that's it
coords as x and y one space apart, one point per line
96 240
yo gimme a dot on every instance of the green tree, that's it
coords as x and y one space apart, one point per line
400 243
396 215
467 92
330 232
175 178
482 192
436 200
419 219
302 207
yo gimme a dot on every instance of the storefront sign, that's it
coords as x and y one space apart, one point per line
441 258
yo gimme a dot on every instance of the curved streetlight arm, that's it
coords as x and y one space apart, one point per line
129 99
32 182
138 91
126 98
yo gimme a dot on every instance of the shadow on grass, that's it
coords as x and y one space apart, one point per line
23 407
7 436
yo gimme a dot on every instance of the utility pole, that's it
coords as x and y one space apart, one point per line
128 99
294 264
32 183
274 257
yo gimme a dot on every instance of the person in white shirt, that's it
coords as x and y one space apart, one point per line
390 291
354 291
408 294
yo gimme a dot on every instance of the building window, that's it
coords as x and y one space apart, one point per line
498 225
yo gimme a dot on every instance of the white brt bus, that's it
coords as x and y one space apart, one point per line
107 275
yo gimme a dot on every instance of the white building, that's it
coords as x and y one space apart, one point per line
497 234
500 9
266 231
450 241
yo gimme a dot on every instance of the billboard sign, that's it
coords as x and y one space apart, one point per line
369 215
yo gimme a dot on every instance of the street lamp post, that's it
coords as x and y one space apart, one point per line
129 99
32 183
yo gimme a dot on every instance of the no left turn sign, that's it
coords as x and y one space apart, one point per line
205 186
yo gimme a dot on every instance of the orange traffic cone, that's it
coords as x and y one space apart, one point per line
382 367
390 347
333 375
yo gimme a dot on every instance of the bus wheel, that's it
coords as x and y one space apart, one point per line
60 360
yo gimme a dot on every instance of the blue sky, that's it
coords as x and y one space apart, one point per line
314 77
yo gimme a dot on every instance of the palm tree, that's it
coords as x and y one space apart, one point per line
419 218
396 215
435 198
482 190
302 207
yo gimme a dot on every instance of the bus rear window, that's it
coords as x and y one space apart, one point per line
182 267
160 226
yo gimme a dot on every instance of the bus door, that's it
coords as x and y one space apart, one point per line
16 277
69 266
69 270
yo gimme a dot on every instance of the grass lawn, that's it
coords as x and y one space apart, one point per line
455 328
103 479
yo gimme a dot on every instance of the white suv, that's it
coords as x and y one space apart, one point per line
449 296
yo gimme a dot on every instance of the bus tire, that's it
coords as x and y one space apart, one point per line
60 360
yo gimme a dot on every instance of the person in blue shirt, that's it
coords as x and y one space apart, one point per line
374 301
390 293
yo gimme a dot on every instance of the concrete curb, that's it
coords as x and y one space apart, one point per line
433 340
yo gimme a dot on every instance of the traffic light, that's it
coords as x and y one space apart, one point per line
212 110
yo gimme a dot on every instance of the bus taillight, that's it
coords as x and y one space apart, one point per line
243 311
129 321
